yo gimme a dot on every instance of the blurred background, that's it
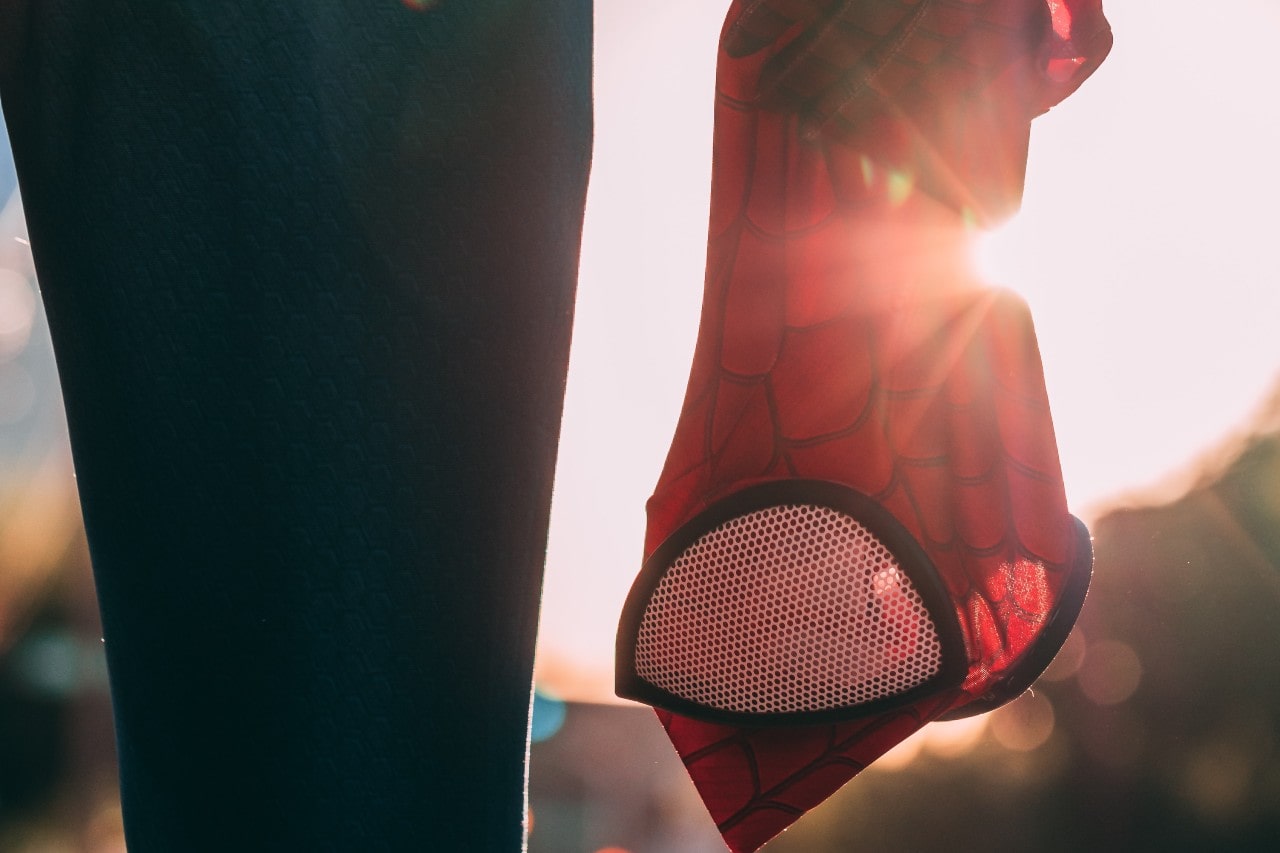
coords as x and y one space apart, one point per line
1145 249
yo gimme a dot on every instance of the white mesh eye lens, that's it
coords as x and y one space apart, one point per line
788 609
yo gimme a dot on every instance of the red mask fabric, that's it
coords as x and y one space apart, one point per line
861 525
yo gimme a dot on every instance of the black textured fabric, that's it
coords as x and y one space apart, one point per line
309 269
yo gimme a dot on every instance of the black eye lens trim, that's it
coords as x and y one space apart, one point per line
868 512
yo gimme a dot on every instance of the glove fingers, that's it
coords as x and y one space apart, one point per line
838 59
929 54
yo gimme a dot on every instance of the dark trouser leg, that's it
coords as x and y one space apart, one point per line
309 270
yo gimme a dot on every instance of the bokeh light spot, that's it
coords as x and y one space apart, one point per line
1110 673
548 716
901 184
1024 724
49 663
1217 780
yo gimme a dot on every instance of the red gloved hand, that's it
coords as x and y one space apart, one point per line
942 87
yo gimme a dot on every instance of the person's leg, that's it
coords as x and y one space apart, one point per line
309 270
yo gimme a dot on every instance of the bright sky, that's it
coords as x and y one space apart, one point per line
1144 247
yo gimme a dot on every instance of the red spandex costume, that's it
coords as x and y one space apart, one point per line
861 525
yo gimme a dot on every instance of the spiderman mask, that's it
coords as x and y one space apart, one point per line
861 525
